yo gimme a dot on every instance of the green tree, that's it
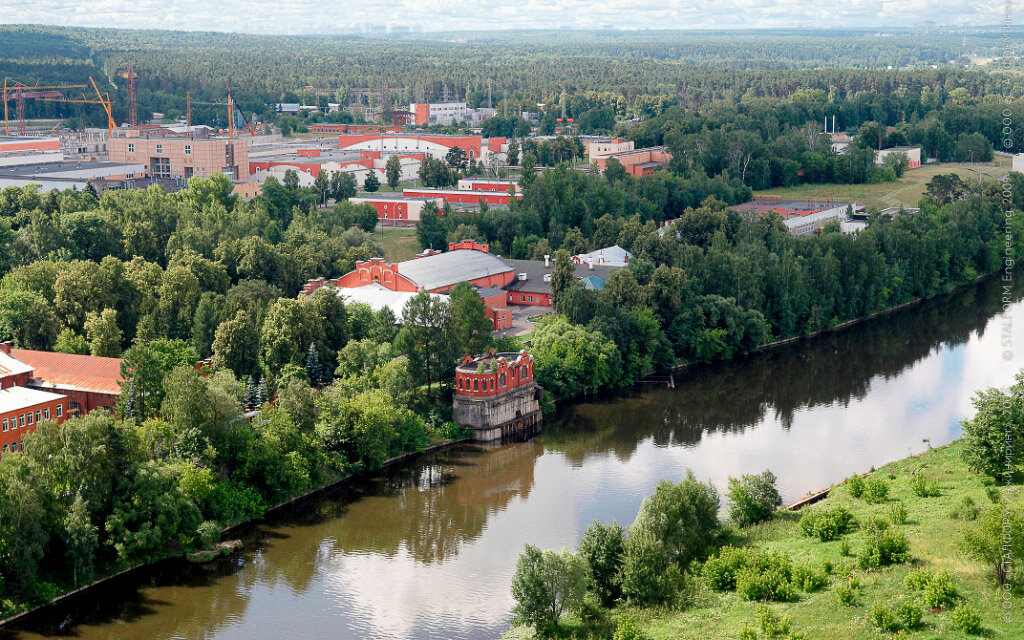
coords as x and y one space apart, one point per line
27 319
602 548
456 158
469 319
236 345
103 334
997 540
563 275
393 171
81 538
647 577
546 585
513 153
753 498
371 183
614 171
344 187
681 516
70 342
322 185
427 340
998 420
430 229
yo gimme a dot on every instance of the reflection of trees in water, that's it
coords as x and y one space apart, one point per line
732 396
421 508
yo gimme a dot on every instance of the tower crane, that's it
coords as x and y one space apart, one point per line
20 92
132 78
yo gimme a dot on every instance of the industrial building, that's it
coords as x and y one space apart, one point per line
446 113
913 155
496 396
613 256
22 407
463 196
801 217
435 146
308 162
637 162
88 382
175 156
478 183
396 208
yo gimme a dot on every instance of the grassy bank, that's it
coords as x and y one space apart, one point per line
906 191
934 535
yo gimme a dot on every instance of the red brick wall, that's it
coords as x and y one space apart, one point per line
376 270
19 380
527 298
14 435
488 383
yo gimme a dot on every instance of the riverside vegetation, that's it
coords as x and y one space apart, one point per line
916 549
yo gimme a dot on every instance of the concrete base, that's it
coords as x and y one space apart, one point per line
514 414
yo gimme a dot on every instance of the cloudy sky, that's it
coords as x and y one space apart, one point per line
312 16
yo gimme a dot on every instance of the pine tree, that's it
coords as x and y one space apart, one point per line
261 391
249 400
314 370
130 407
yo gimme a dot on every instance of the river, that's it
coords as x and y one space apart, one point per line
428 551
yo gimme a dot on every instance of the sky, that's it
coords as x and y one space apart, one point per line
332 16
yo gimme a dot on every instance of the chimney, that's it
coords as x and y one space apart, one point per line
590 263
6 347
547 260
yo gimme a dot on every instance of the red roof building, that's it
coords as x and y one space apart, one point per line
89 382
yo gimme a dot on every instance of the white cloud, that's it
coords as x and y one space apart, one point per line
309 16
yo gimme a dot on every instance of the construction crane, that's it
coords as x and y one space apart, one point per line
106 107
132 77
103 100
231 112
20 92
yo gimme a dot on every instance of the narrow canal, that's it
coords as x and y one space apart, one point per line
428 551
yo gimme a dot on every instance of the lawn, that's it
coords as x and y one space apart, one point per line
398 244
906 191
933 536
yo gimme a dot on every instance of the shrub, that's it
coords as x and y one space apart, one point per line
965 510
884 548
753 498
682 517
827 523
993 494
855 485
898 513
762 586
998 532
847 592
922 488
917 579
772 624
747 634
844 548
876 490
547 583
720 570
967 619
883 618
602 548
647 576
940 592
909 615
209 533
808 578
628 629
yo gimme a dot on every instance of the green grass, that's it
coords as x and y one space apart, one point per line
398 244
933 536
906 191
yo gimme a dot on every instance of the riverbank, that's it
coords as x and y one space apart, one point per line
934 527
232 529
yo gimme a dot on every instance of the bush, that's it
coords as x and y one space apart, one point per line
772 624
876 490
922 488
827 523
546 584
753 498
993 494
844 549
682 517
747 634
884 619
917 579
648 576
720 570
909 615
847 592
998 532
763 586
884 548
897 513
940 592
855 485
967 619
965 510
809 579
628 629
209 533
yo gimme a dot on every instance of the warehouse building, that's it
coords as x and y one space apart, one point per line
177 156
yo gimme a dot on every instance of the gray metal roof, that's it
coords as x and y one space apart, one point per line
535 272
451 267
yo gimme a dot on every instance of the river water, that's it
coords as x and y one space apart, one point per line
428 551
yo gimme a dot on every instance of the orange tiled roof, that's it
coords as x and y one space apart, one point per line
70 371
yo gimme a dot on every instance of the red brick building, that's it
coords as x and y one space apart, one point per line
88 382
22 408
463 196
496 396
639 162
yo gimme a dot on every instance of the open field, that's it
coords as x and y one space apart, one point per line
398 244
906 191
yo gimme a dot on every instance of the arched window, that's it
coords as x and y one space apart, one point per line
476 385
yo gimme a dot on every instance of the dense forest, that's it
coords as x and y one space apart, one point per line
633 74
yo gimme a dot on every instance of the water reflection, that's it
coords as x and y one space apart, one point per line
428 551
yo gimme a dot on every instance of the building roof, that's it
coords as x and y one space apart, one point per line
378 297
12 366
18 398
535 272
613 256
593 283
72 371
820 216
451 267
